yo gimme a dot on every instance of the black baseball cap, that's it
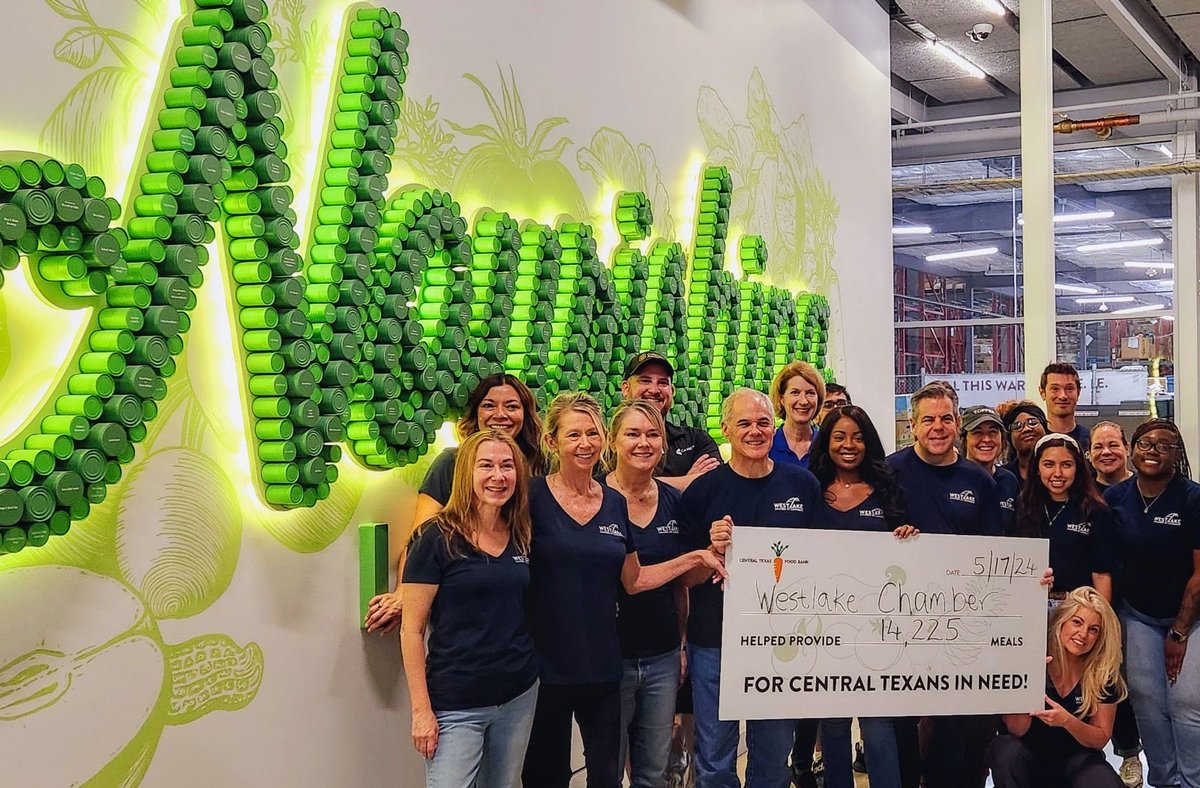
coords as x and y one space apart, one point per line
978 415
644 358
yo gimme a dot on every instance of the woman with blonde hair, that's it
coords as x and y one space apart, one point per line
1063 744
796 394
473 689
650 624
583 553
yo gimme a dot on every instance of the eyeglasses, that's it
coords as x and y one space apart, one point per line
1021 426
1162 447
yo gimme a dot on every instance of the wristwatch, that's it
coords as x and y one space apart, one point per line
1178 637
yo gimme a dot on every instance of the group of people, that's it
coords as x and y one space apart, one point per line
564 567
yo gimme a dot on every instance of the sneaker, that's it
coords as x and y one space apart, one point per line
804 778
860 759
1131 772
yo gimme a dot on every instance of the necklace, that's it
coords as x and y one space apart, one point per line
640 497
1147 504
1050 520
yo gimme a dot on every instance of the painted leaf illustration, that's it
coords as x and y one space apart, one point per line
612 160
69 9
91 125
81 47
179 532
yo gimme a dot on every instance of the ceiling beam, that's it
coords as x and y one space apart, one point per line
1151 35
906 108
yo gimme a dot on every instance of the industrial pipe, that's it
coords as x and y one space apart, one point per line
1102 126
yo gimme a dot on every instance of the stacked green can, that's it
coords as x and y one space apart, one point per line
812 313
533 317
496 246
598 343
754 323
358 283
665 327
59 217
630 274
752 254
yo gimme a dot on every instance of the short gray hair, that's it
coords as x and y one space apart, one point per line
934 389
738 393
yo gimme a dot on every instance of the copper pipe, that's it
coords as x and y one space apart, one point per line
1102 126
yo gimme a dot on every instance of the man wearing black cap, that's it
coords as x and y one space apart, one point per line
691 452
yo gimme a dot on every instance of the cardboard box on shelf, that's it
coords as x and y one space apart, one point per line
1137 347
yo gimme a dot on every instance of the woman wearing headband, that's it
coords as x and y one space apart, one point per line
1157 536
1059 502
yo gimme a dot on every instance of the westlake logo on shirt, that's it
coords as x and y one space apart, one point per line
966 496
1080 528
790 505
1169 519
1007 503
877 513
521 559
612 529
670 528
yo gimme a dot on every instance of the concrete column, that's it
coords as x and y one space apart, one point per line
1037 188
1184 208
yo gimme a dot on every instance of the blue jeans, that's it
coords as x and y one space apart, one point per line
648 688
1168 716
879 740
483 747
768 742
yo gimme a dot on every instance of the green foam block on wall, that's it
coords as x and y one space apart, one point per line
372 564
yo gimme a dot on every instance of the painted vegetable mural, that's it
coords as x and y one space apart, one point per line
104 648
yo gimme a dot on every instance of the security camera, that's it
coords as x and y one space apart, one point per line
980 32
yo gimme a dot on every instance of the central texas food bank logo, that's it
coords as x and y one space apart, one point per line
778 549
792 504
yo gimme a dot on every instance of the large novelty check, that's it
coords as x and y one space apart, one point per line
841 624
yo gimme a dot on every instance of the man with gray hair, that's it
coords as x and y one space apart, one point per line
751 490
944 493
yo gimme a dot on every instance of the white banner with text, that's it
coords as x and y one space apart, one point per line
845 624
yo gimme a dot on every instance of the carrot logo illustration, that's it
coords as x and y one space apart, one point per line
778 549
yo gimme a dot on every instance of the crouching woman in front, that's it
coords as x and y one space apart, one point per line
474 692
1062 745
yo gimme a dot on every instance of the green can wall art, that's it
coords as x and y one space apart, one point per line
366 332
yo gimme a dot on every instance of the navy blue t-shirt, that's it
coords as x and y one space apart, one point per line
1013 466
787 497
866 516
1154 538
575 573
959 498
1007 487
480 651
781 452
648 622
1079 546
1082 436
1055 745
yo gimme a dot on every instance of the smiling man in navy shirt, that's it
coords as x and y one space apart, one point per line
945 493
752 490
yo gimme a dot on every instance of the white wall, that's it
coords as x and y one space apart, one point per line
331 707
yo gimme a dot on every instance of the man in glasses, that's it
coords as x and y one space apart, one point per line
836 396
1060 388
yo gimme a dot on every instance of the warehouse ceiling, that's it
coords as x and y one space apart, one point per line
1105 52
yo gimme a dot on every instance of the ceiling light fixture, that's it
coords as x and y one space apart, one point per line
1132 243
984 252
1074 288
1108 299
912 229
1165 266
1129 310
1164 150
957 59
1068 218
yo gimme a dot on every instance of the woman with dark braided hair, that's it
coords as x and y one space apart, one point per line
1157 535
860 494
1060 502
